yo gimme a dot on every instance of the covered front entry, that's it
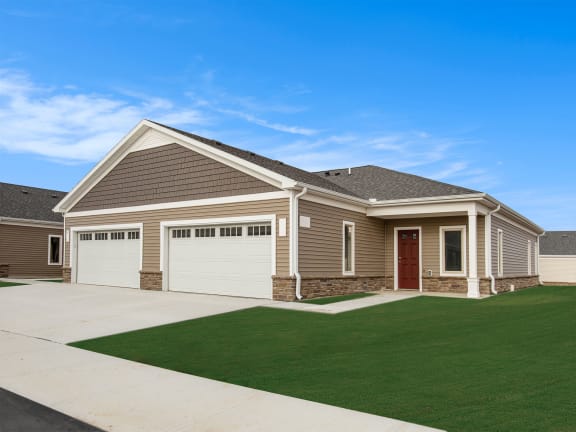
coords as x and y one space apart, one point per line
232 259
408 259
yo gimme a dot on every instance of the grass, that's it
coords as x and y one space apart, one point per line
50 280
335 299
506 363
9 284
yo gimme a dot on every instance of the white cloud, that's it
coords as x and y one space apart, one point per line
65 124
296 130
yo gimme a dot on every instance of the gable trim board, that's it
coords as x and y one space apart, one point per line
318 244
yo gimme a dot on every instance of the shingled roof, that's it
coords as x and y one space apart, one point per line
558 243
276 166
25 202
372 181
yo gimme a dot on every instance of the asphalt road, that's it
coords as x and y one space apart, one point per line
18 414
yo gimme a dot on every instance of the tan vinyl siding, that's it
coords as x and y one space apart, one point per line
25 249
515 249
431 242
320 246
151 223
166 174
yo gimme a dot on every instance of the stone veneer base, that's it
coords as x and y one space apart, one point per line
66 274
151 280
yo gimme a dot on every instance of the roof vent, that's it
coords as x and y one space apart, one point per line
279 162
252 154
327 173
54 196
24 191
337 174
565 235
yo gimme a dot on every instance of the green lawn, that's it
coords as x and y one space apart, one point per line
8 284
335 299
506 363
50 280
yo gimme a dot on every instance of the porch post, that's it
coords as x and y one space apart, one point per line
473 281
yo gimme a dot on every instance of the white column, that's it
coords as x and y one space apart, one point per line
473 281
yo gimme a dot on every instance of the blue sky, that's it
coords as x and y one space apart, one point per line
476 93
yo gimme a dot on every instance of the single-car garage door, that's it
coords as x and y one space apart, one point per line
108 258
231 260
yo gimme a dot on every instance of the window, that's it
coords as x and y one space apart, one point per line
117 236
133 235
181 233
85 236
453 251
259 230
348 248
500 253
205 232
54 250
101 236
231 231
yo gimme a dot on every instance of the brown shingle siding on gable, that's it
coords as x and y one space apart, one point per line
165 174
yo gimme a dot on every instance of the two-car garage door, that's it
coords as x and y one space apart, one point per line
234 259
221 259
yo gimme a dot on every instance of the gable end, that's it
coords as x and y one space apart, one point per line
165 174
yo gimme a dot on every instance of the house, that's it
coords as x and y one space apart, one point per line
170 210
31 234
558 257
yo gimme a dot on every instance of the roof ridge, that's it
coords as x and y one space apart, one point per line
32 187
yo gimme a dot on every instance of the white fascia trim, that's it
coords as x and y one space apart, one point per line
73 253
121 149
30 223
181 204
517 225
61 249
337 195
396 229
463 208
353 257
430 200
165 225
463 245
334 203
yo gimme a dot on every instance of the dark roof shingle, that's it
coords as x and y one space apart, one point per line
384 184
25 202
558 243
278 167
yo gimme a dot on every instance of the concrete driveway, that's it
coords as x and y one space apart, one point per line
120 395
66 313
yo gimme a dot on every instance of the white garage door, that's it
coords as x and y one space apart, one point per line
109 258
227 260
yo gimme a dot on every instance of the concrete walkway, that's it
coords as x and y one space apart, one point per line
120 395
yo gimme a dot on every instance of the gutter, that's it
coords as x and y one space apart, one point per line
488 261
294 226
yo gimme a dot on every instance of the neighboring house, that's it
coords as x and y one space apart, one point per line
558 257
31 234
170 210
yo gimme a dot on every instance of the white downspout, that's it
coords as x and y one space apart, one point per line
488 242
294 227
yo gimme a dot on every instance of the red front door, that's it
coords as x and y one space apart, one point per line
408 259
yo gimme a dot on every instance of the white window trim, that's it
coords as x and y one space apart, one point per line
353 249
74 231
396 229
61 253
530 272
234 220
500 253
463 272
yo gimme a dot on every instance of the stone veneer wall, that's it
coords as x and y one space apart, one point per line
284 288
151 280
66 274
520 282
